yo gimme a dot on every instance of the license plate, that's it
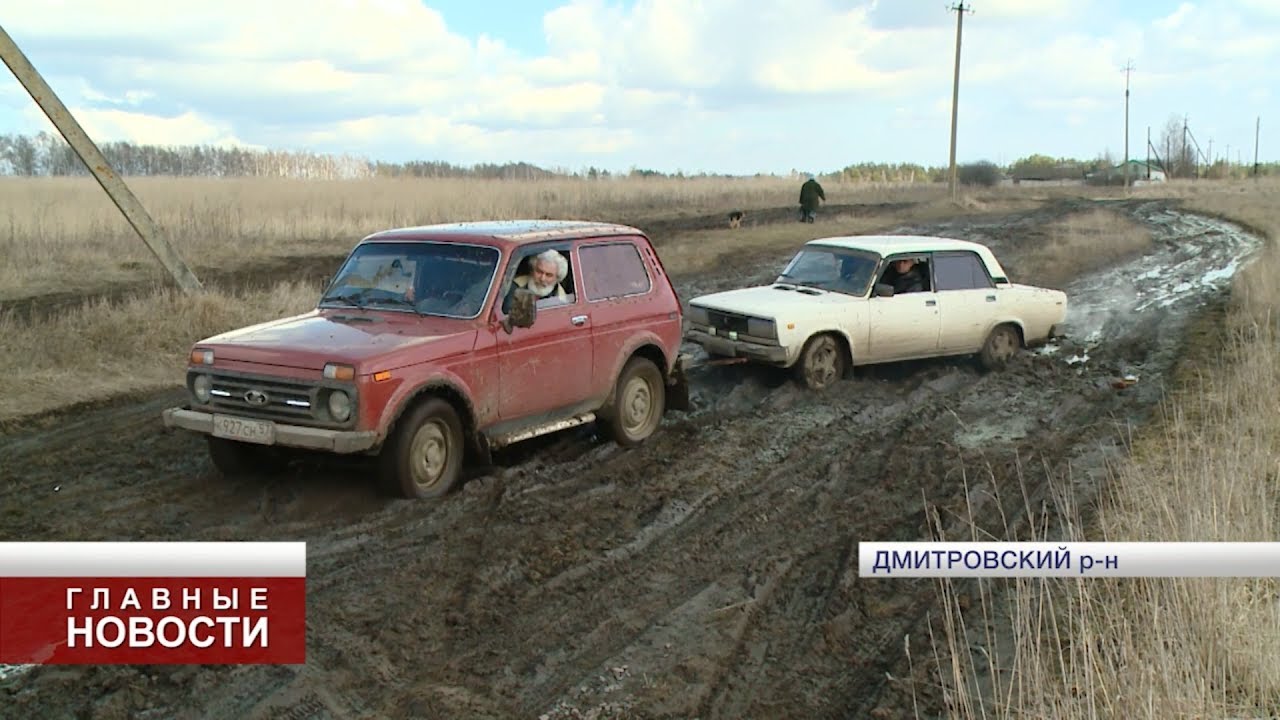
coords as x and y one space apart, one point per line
262 432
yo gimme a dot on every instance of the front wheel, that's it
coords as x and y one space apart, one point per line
639 397
424 458
1001 345
821 363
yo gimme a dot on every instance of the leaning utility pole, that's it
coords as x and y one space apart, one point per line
97 164
1127 68
955 91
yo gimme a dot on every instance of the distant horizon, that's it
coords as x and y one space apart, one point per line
806 85
437 168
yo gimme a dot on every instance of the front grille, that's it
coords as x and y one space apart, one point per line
271 398
285 400
727 321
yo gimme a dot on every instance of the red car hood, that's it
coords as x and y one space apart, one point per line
351 336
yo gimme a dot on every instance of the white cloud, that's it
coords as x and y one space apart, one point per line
655 83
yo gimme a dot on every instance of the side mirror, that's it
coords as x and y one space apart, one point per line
524 310
884 290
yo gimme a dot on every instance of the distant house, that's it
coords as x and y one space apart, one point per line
1139 173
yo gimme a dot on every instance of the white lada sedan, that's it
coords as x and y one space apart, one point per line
860 300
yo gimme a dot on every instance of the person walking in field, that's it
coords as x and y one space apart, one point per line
811 195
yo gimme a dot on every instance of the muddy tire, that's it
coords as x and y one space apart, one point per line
1001 345
822 362
424 457
639 397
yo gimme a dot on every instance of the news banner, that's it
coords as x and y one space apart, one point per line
221 603
213 603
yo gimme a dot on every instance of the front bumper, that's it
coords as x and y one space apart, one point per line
296 436
774 354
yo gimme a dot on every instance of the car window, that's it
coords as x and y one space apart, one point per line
830 269
550 293
613 270
448 279
960 271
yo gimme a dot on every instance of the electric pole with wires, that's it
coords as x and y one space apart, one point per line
960 9
1127 69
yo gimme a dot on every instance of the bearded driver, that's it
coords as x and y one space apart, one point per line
548 270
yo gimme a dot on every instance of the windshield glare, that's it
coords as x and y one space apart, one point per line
843 271
430 278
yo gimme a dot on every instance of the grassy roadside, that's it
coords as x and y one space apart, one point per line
1163 647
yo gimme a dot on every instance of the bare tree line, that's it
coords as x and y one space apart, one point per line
49 155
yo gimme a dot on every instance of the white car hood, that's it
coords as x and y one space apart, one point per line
769 301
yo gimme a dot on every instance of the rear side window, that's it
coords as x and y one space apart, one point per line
612 270
960 271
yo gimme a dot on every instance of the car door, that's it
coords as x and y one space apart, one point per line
548 366
905 325
968 300
617 287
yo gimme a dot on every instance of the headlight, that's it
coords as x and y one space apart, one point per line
339 405
202 357
334 371
698 315
762 328
201 387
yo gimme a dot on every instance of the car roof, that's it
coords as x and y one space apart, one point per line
890 244
508 231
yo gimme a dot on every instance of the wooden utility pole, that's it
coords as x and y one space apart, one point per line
1127 69
93 159
960 9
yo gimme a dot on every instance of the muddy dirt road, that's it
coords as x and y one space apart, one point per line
709 573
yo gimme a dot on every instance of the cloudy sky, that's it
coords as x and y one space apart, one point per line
738 86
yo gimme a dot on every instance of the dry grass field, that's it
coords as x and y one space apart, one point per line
1163 647
60 235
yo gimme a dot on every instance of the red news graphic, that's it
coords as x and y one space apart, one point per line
176 603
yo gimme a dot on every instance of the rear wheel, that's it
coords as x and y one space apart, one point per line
639 397
1001 345
424 457
821 363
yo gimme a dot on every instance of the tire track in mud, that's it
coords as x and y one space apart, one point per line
704 573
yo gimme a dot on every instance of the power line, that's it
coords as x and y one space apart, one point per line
960 9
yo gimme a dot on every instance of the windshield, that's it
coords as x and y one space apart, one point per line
836 269
445 279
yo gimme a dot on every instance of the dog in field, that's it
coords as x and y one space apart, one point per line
735 218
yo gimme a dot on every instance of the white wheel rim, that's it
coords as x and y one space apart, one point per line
429 454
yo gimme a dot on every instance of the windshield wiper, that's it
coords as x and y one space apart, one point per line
352 298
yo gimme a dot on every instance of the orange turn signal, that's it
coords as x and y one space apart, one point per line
382 376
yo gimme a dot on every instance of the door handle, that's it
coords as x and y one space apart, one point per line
578 320
991 298
930 303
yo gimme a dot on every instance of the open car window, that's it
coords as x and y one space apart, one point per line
445 279
836 269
